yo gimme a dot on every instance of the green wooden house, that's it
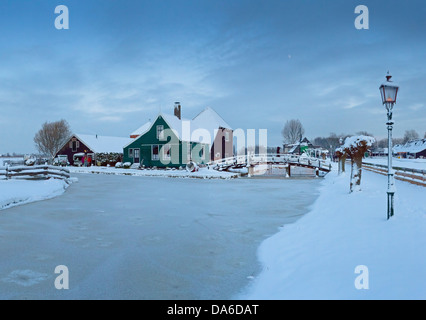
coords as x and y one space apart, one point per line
165 142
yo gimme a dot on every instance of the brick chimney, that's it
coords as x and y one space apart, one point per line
178 110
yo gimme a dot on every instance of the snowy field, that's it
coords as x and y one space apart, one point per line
316 257
126 237
403 163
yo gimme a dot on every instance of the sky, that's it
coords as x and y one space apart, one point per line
258 63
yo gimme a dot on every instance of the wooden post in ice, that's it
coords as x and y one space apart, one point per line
249 166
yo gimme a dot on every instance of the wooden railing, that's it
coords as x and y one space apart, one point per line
42 172
414 176
272 158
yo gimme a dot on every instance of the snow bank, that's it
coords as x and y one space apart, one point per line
202 173
16 192
316 257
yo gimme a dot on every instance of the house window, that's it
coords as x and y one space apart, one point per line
203 153
130 153
160 132
155 154
75 145
166 152
226 136
188 151
136 153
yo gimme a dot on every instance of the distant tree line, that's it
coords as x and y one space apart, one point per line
293 132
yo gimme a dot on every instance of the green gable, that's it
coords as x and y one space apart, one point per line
161 147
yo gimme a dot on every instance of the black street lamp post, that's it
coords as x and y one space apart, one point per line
389 91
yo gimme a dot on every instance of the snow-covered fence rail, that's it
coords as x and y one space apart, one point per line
34 172
244 160
414 176
3 173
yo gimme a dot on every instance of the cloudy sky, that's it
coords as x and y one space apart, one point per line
258 63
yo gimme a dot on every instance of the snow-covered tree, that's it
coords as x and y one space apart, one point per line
356 147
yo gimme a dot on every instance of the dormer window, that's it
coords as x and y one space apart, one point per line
227 136
160 132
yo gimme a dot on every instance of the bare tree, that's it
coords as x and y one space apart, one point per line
410 135
293 131
51 137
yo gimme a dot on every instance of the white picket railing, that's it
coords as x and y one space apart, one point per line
252 159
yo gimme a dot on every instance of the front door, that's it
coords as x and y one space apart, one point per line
137 156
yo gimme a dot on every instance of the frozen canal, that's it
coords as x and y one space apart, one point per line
125 237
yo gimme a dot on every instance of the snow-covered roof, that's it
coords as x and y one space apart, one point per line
210 120
104 144
178 125
191 130
140 131
413 146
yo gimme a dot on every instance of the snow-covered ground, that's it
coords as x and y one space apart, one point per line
345 239
403 163
203 173
15 192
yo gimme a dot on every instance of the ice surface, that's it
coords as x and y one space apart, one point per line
125 237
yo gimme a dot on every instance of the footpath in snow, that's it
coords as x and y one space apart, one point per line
203 173
16 192
346 242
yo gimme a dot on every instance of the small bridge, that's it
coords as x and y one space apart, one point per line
274 165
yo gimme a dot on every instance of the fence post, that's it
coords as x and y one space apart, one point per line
7 172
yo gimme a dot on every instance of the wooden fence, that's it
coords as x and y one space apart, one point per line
414 176
42 172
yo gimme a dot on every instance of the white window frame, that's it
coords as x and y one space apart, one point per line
166 155
203 153
188 151
130 152
137 151
160 132
157 156
77 145
227 136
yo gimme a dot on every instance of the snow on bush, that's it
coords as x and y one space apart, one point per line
356 142
356 147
